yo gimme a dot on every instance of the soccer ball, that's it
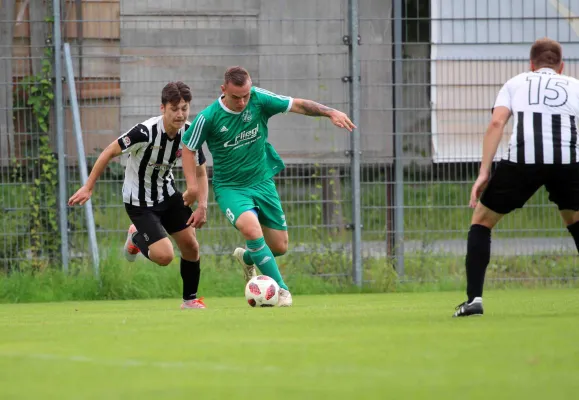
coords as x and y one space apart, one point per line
262 291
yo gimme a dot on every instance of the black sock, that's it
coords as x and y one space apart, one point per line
478 254
141 243
190 273
574 231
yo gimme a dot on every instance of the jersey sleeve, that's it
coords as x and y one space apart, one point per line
504 97
196 135
134 139
273 103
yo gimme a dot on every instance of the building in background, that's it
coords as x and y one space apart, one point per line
478 46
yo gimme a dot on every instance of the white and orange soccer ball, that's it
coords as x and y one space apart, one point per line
262 291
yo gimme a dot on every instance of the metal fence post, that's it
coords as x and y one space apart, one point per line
58 103
398 138
90 225
355 144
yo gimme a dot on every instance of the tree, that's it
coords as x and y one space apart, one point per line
6 107
38 34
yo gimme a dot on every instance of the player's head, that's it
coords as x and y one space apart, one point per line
236 88
175 99
546 53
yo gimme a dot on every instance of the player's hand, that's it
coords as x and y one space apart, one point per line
198 218
189 196
81 196
341 120
479 186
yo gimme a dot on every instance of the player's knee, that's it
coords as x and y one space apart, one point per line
567 220
485 217
190 249
161 252
569 217
279 248
195 246
248 226
163 259
251 231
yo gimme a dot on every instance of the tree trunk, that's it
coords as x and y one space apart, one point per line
6 108
38 33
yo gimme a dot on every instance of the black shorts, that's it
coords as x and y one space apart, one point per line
155 222
512 185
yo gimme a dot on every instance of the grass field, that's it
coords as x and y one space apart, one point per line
371 346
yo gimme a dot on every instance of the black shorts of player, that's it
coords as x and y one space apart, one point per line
512 185
155 222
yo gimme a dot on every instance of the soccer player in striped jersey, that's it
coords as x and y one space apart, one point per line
152 201
244 164
542 152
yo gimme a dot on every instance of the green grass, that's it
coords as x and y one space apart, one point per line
121 280
305 273
336 347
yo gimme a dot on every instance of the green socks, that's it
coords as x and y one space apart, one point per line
247 257
263 258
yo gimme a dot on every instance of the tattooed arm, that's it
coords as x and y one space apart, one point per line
310 108
313 109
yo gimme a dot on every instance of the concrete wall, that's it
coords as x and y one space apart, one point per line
290 47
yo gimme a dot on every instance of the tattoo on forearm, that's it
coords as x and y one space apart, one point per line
314 109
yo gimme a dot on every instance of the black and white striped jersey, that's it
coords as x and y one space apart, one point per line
545 106
152 155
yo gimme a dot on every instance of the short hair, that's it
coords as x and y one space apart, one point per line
546 52
236 75
173 92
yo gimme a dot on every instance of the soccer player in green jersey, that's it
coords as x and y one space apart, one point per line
244 164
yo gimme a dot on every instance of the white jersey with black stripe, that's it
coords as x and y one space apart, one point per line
545 107
149 176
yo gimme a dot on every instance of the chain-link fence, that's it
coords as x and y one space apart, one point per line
429 71
27 161
455 57
297 51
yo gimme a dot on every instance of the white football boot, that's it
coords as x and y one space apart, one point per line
248 270
131 250
285 298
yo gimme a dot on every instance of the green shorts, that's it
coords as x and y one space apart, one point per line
262 197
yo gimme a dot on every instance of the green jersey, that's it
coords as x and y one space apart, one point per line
237 141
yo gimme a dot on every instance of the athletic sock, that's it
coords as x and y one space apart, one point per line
264 259
247 257
478 255
190 273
